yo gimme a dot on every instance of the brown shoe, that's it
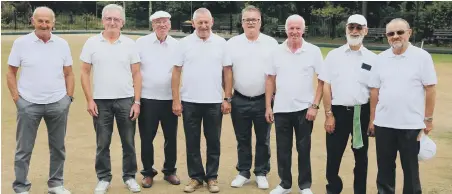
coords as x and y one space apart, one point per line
172 179
213 186
192 186
147 181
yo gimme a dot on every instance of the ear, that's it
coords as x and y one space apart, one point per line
365 31
212 21
193 23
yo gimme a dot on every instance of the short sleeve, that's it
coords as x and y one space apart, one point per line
318 62
179 54
325 72
86 55
375 81
14 56
428 73
227 54
271 67
134 53
67 55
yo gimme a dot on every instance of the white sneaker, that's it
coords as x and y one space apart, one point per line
102 187
306 191
262 182
280 190
58 190
133 185
239 181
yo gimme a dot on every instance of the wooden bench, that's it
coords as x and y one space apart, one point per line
225 28
376 33
442 35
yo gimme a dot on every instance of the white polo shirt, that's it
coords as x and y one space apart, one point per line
294 76
401 79
41 79
112 74
349 74
249 61
202 67
156 66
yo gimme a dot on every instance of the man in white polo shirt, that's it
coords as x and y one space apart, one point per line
293 67
116 94
44 90
346 74
201 57
249 54
156 54
402 104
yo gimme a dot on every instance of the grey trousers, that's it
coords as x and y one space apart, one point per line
109 109
29 115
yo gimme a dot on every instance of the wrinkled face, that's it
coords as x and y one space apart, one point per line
398 34
43 22
161 26
203 25
355 34
294 30
112 21
251 22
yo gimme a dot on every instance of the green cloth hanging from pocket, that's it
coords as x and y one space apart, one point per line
357 135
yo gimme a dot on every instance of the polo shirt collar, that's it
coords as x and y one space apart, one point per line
155 40
36 39
120 39
196 37
347 49
303 47
258 40
404 54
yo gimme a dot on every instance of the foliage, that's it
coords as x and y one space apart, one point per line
330 11
7 12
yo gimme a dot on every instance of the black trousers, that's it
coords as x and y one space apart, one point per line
285 123
335 147
388 141
246 112
152 113
211 117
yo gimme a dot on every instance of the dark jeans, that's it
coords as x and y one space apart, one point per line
246 112
152 113
388 141
103 125
285 123
335 146
211 117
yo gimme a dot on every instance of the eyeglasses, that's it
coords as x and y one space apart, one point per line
251 20
399 32
109 19
160 22
358 27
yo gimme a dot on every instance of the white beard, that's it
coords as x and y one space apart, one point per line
354 41
397 45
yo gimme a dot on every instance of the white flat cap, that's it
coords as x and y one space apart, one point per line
159 14
357 19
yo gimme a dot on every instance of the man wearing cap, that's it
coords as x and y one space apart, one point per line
249 53
43 91
294 64
201 57
346 100
402 104
116 95
156 54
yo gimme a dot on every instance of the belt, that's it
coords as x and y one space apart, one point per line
349 107
249 98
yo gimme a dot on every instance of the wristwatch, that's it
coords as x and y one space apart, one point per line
72 98
428 119
137 102
228 99
314 106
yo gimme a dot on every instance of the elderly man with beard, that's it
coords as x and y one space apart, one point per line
249 54
294 64
156 54
402 104
44 90
346 74
117 91
201 56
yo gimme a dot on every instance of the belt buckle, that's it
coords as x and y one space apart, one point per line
348 108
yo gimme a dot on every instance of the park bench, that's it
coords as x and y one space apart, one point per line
442 35
376 33
225 28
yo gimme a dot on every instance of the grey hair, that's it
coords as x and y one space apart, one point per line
399 20
295 17
201 10
251 8
44 8
111 7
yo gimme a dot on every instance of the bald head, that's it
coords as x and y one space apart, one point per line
45 12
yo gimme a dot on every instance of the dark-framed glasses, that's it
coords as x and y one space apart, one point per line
357 27
114 19
251 20
399 32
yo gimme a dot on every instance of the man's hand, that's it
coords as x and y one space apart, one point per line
330 124
15 98
226 107
269 115
92 108
371 129
134 111
428 127
311 114
177 108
